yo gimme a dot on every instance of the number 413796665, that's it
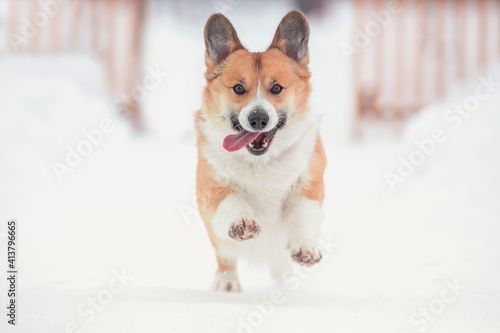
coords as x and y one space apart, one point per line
11 243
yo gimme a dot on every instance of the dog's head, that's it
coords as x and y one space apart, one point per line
256 100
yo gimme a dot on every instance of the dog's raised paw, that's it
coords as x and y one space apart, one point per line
243 229
306 255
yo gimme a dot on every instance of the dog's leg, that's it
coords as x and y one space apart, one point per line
226 277
232 220
304 214
227 218
304 220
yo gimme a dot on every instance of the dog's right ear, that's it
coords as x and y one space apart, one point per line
220 39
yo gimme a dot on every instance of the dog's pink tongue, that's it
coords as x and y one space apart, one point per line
237 141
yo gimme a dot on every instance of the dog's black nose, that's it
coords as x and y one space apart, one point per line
258 119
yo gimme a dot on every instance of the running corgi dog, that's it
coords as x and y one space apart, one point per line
259 179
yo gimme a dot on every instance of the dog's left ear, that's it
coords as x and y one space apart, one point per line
292 37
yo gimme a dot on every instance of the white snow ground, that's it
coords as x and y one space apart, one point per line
129 206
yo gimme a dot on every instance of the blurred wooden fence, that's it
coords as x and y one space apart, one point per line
412 55
110 30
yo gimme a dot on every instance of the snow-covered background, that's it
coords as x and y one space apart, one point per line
422 258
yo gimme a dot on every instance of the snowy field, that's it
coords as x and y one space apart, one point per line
117 246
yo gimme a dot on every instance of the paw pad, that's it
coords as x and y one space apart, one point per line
244 229
306 256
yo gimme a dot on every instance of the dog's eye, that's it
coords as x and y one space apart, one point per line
276 89
238 89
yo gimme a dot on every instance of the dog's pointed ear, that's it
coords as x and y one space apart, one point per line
292 37
220 39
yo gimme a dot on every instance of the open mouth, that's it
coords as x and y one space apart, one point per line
257 143
260 145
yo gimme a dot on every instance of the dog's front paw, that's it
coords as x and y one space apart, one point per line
306 255
243 229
